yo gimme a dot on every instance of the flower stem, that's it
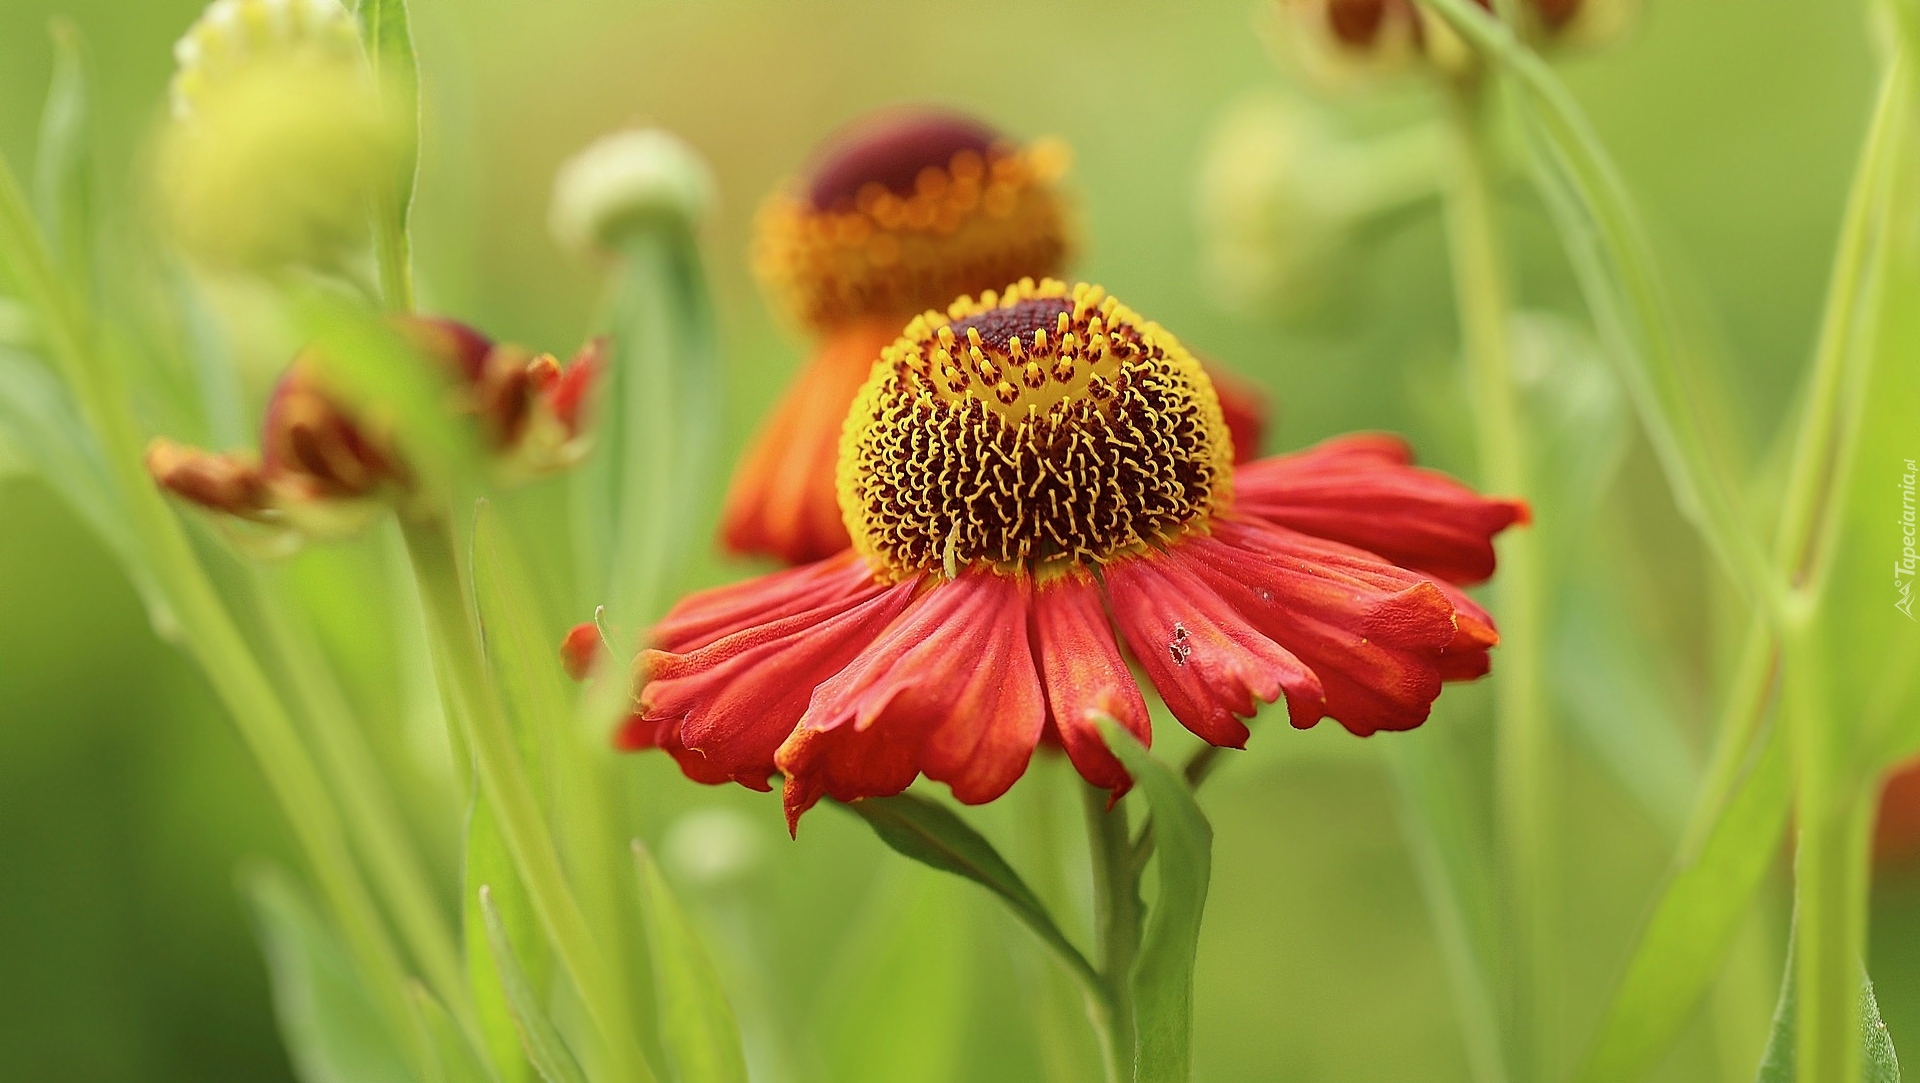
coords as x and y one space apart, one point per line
1830 874
1118 913
503 778
378 829
99 388
1526 771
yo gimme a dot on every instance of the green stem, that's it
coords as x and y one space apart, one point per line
1526 779
99 388
503 778
378 829
393 251
1653 364
1118 913
1830 876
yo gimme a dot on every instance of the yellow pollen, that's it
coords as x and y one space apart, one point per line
1062 454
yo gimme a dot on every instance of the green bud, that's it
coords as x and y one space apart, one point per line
626 181
1286 198
278 139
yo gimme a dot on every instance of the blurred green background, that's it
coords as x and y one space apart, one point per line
127 803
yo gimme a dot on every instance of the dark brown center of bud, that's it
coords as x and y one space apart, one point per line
1356 22
890 150
1555 14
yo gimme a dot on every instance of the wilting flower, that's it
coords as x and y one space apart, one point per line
1336 40
1021 476
901 212
278 139
323 470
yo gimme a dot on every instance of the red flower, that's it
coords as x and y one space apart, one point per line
902 211
323 471
1022 477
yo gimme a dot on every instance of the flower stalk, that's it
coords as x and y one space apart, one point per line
1118 913
474 697
1526 763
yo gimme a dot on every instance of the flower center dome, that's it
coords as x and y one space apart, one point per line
1034 430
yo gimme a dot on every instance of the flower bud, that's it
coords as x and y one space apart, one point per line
626 181
1285 199
278 139
906 209
1341 42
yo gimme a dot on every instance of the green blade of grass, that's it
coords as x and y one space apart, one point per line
332 1030
697 1025
538 1036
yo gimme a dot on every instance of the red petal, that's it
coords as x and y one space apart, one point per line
580 649
700 619
1085 678
783 501
570 392
1466 657
1208 663
1362 490
949 690
1244 406
1374 634
727 705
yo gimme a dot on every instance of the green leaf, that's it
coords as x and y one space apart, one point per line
1163 973
362 357
63 166
932 834
388 39
333 1032
39 424
897 1005
1879 1064
1868 621
488 865
451 1060
697 1026
520 651
538 1036
1456 875
1694 922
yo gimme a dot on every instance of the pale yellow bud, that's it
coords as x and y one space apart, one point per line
278 139
626 181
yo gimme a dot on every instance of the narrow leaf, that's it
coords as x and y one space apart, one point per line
489 865
543 1044
930 833
63 166
870 1030
332 1030
451 1060
388 37
1163 974
1879 1064
1694 923
1457 877
39 424
697 1026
